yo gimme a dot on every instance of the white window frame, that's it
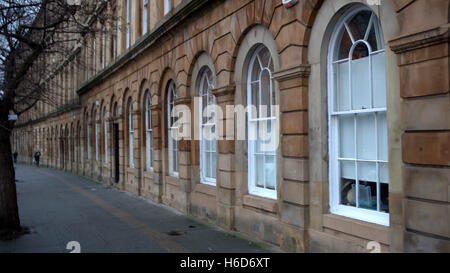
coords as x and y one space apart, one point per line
148 132
204 164
130 133
252 128
144 16
172 143
362 214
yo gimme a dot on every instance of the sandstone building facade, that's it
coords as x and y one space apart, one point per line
364 117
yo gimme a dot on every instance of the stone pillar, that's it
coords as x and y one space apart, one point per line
184 162
99 162
419 206
226 186
157 188
293 192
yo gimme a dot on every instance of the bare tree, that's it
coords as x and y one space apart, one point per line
37 39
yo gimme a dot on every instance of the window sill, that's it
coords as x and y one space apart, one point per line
261 203
206 189
358 228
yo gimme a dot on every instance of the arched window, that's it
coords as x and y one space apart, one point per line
262 169
172 129
105 134
130 133
115 110
96 135
357 114
88 136
208 142
148 132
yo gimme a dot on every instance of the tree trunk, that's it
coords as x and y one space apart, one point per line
9 212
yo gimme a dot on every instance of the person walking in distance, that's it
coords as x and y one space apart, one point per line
37 156
15 155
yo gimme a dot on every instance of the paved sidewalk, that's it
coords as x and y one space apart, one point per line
59 207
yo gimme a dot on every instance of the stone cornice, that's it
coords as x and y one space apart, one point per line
422 39
300 71
163 27
224 90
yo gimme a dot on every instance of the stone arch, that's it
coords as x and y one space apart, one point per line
256 36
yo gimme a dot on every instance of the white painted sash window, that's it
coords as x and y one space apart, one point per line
172 129
148 132
262 166
208 142
357 118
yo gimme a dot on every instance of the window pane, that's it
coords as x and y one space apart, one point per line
379 80
367 195
384 198
259 170
265 93
360 51
382 137
342 95
255 99
344 45
265 58
365 136
367 172
256 69
361 84
347 136
347 180
348 170
384 174
358 24
372 39
213 168
270 172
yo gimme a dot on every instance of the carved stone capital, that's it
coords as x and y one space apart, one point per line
224 90
299 71
183 100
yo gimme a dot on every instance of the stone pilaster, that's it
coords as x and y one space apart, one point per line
184 161
156 189
293 191
226 186
419 218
